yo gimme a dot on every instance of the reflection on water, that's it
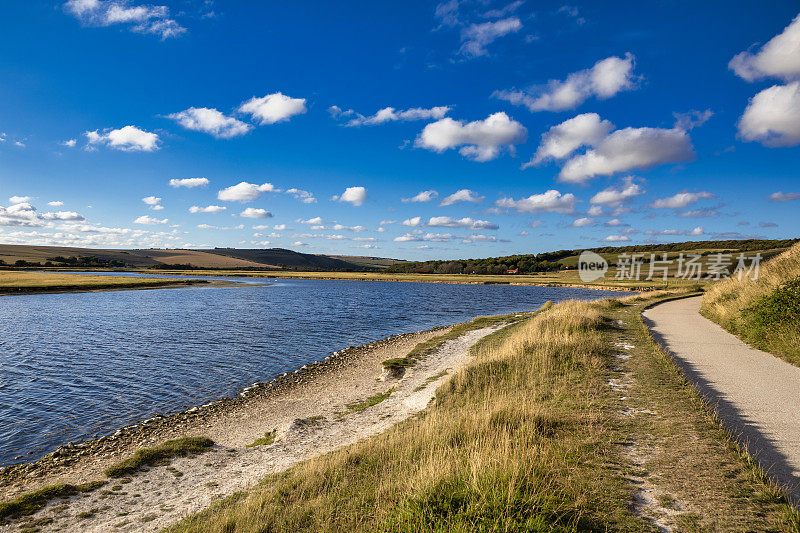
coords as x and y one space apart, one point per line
75 365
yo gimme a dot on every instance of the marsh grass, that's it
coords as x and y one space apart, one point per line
375 399
29 503
20 281
764 312
159 455
268 438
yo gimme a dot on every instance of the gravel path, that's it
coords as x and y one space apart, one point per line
756 394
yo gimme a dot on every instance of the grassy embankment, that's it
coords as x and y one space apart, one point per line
531 435
764 312
566 278
20 282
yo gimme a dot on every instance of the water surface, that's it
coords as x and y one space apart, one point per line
76 365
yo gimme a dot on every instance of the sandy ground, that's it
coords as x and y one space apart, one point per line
310 417
756 395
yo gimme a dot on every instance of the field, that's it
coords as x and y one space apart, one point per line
12 282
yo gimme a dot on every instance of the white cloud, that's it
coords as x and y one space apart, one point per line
139 18
304 196
462 195
580 222
150 221
279 227
563 139
244 192
681 200
151 200
627 149
253 212
20 214
772 116
779 57
390 114
19 199
616 238
299 243
413 221
481 140
688 233
67 216
613 222
423 196
784 196
595 211
207 209
188 182
315 220
551 201
605 79
210 121
157 207
352 195
55 203
614 197
273 108
691 119
127 139
476 37
340 227
466 222
418 237
70 143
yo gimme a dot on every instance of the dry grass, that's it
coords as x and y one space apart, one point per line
753 310
529 437
515 441
20 281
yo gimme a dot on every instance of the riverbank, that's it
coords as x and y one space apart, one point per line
318 408
19 282
567 278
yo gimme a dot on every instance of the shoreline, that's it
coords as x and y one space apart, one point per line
68 289
60 464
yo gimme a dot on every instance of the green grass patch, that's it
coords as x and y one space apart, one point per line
160 454
268 438
430 380
369 402
29 503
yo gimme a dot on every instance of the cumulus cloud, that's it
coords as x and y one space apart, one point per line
614 197
315 220
20 214
481 140
150 221
681 200
551 201
463 195
138 18
244 192
210 121
779 57
352 195
188 182
580 222
784 196
151 200
422 196
418 237
627 149
616 238
561 140
691 119
127 139
69 143
390 114
772 116
605 79
273 108
67 216
19 199
55 203
667 232
207 209
253 212
476 37
466 222
413 221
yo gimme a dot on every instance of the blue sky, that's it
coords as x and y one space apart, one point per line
537 125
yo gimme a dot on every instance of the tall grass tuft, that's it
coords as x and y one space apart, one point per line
764 312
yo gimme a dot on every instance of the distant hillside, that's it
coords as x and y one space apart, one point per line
568 259
222 258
